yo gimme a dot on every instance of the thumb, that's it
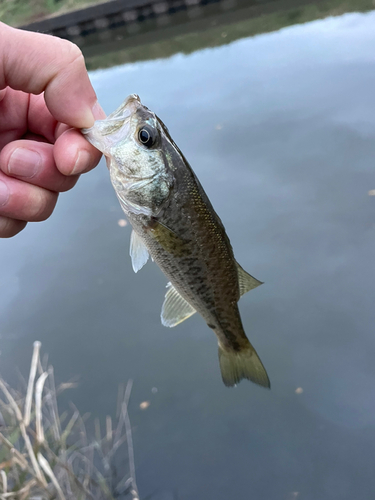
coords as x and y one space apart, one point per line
33 63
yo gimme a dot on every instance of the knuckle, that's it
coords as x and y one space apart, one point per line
74 53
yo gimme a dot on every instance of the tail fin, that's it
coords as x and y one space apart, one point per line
236 366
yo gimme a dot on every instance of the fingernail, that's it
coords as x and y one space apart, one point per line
88 118
95 113
98 111
82 163
24 163
4 193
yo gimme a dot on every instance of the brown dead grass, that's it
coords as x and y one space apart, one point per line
45 456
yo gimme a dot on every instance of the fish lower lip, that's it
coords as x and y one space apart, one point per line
122 113
87 130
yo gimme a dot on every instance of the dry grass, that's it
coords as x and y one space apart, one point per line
44 455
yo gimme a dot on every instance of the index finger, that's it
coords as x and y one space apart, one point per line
33 63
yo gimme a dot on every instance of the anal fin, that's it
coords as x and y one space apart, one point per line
175 308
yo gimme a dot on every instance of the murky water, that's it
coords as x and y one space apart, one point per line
280 129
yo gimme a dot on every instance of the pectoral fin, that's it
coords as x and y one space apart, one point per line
168 239
175 308
246 281
138 252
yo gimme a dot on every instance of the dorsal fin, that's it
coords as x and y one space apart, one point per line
246 281
175 308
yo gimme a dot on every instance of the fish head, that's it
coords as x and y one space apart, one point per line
117 130
131 139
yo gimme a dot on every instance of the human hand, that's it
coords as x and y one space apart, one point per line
45 96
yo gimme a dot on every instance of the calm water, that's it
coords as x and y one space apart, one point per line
280 129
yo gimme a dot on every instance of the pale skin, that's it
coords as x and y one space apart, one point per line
45 96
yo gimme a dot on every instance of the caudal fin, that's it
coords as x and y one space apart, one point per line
236 366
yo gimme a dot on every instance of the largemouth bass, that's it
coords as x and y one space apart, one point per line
174 222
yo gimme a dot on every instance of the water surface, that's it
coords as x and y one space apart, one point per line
280 129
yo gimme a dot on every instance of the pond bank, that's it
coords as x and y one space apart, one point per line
101 17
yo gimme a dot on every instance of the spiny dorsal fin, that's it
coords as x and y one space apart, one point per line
138 252
236 366
246 281
175 308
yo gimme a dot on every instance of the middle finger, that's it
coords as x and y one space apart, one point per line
33 162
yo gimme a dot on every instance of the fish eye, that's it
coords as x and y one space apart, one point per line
147 136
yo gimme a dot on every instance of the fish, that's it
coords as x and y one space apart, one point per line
174 222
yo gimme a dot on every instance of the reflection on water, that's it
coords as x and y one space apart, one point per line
198 27
280 129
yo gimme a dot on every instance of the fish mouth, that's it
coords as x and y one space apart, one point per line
104 133
123 112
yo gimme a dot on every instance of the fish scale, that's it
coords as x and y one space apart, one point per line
174 221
